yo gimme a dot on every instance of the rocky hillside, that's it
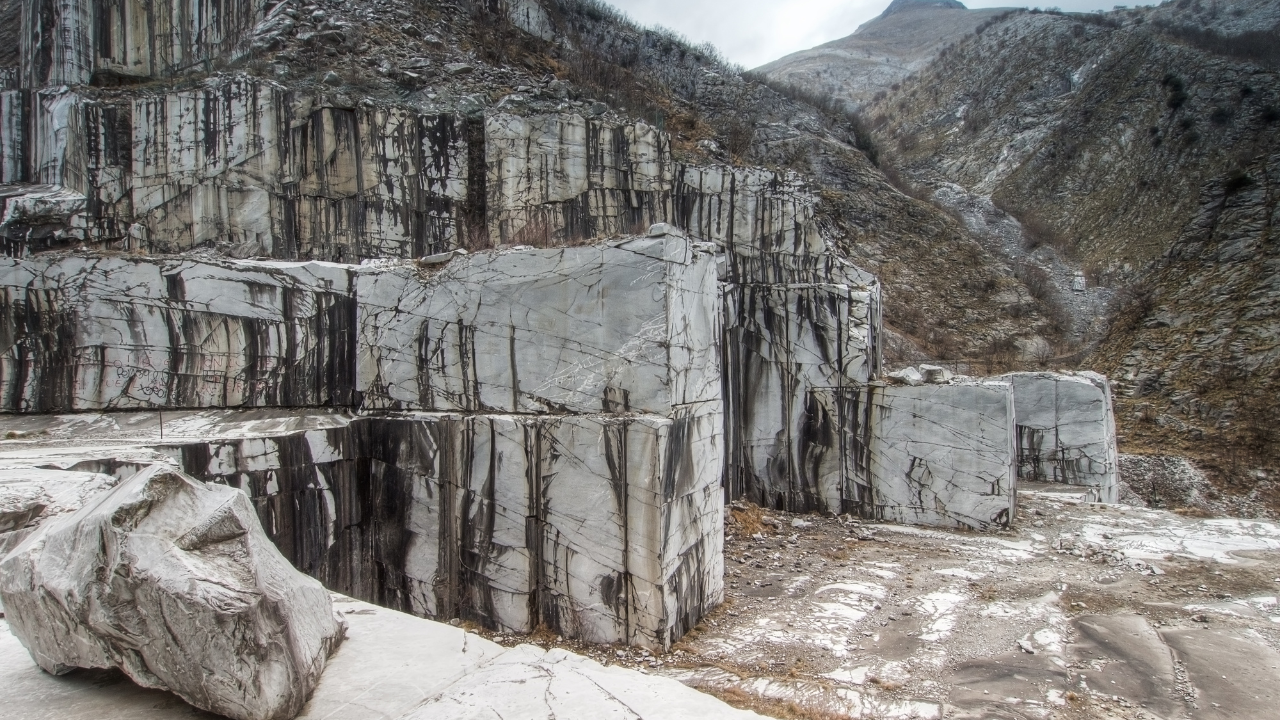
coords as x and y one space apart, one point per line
876 59
716 112
1138 146
526 58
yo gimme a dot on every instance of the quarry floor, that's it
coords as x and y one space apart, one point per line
1079 611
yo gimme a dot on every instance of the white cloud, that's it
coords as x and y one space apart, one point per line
754 32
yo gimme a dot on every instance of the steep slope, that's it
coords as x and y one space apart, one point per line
1139 146
882 52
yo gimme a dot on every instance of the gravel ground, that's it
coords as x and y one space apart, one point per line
1080 611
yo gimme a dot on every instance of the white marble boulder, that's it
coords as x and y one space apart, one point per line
114 333
32 495
1066 430
173 582
941 455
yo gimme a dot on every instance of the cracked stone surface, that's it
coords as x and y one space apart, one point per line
1080 611
114 333
1066 430
399 667
941 455
625 327
173 582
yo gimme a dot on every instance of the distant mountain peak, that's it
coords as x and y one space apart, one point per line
898 6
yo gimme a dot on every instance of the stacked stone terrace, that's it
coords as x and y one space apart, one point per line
517 436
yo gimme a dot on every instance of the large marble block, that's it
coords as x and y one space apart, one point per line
603 527
628 326
781 342
1066 430
941 455
115 332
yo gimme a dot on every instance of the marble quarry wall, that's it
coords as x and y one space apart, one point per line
84 332
569 475
1066 430
241 165
75 42
250 168
942 455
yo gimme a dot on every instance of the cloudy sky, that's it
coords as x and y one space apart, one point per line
753 32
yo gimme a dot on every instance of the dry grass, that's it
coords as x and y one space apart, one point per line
750 519
782 709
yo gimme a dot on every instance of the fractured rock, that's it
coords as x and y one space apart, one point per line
935 375
173 582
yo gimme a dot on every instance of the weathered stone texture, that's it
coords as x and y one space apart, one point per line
73 42
246 164
561 177
94 333
630 326
603 527
929 455
782 340
1066 430
173 582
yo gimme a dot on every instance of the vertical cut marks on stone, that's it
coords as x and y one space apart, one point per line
113 333
1066 430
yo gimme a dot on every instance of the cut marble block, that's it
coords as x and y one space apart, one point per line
173 582
1066 430
782 341
561 177
114 332
72 42
941 455
630 326
602 527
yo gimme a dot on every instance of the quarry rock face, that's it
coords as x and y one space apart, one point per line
518 428
630 326
114 333
1066 430
173 582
